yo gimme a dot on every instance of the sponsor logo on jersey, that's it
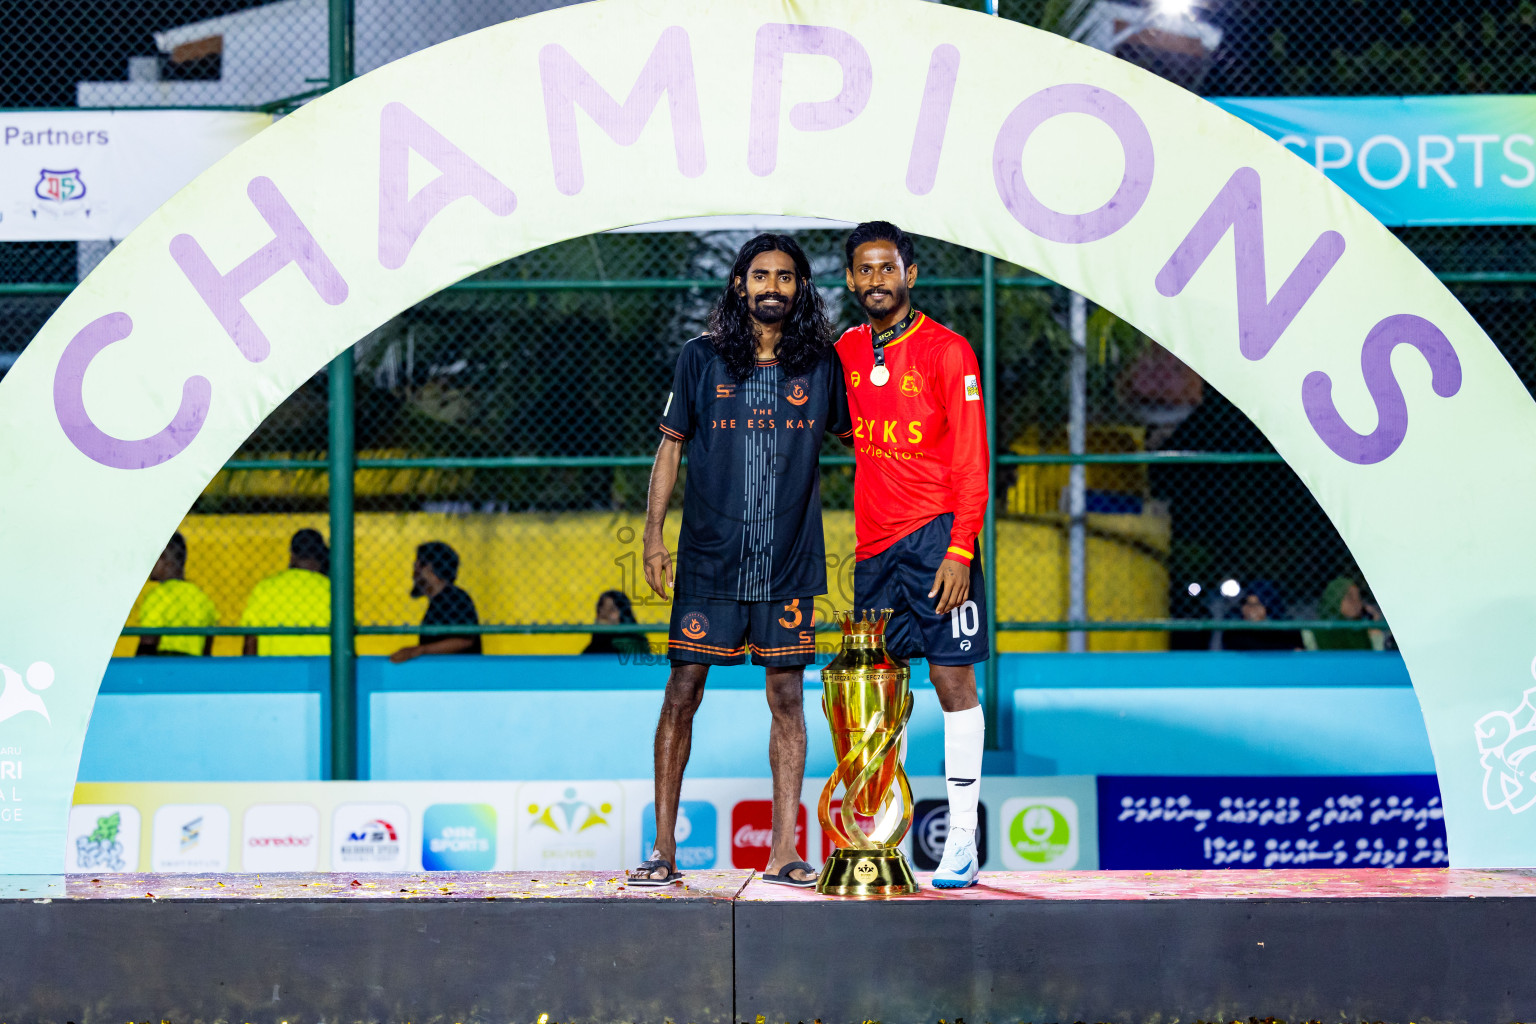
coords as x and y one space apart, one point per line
912 383
972 389
694 625
798 395
854 378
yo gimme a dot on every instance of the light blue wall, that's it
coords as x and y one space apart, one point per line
1198 713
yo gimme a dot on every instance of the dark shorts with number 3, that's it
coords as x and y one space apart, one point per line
900 578
717 631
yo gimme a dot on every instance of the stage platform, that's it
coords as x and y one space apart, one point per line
1118 947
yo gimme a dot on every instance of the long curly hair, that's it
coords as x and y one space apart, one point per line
807 337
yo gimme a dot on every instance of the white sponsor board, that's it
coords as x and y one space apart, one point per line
102 838
371 837
570 826
73 175
190 837
281 837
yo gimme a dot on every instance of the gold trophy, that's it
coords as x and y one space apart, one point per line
867 701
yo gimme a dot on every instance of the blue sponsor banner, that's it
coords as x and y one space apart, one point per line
695 834
1346 821
1414 160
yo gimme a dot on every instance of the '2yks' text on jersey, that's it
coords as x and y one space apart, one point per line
752 502
920 441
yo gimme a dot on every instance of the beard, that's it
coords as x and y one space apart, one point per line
773 313
882 302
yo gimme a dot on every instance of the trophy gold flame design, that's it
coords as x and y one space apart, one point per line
867 701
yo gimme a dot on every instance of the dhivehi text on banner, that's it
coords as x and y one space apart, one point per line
76 175
1414 160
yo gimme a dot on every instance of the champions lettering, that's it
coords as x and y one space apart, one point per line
669 72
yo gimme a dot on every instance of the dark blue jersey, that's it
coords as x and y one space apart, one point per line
752 498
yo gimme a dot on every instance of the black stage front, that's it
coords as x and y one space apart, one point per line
1387 945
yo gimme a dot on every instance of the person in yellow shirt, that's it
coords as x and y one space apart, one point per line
298 596
175 602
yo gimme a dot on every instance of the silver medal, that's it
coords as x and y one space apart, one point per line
878 376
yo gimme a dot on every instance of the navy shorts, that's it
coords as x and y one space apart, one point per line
900 578
719 631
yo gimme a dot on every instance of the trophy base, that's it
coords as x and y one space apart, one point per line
881 872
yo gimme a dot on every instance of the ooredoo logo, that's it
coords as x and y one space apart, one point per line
281 837
752 833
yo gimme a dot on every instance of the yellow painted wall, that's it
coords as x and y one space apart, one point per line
537 568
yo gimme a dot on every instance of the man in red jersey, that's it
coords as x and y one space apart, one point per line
920 491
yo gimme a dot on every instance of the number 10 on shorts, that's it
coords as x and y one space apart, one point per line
964 620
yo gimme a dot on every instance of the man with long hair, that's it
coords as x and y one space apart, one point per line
920 492
752 399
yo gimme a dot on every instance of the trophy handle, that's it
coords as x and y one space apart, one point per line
890 833
888 739
849 835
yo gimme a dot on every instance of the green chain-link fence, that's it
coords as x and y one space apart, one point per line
513 416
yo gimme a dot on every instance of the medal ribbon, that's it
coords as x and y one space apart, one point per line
892 333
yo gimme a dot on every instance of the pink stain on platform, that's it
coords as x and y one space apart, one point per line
1362 883
427 885
1365 883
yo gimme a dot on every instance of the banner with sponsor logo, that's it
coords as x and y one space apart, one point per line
1378 388
1349 821
1414 159
73 175
577 825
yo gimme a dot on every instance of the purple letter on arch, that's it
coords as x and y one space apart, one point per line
402 216
773 43
933 119
568 85
1075 228
1260 320
291 243
1391 407
93 442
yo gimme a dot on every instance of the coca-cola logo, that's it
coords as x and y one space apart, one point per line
272 841
752 833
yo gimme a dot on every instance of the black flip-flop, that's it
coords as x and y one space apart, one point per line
782 876
648 869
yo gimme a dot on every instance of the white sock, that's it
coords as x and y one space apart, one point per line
964 736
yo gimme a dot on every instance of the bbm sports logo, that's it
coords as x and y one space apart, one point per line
458 837
930 827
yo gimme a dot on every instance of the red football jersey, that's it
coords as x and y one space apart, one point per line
920 441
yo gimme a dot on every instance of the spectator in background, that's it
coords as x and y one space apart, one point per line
300 595
614 609
433 576
1343 602
175 602
1261 602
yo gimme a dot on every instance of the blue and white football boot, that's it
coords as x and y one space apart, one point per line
959 866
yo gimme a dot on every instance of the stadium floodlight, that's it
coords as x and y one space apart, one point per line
1231 588
1167 37
1194 590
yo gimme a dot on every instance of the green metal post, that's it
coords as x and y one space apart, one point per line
989 522
341 465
